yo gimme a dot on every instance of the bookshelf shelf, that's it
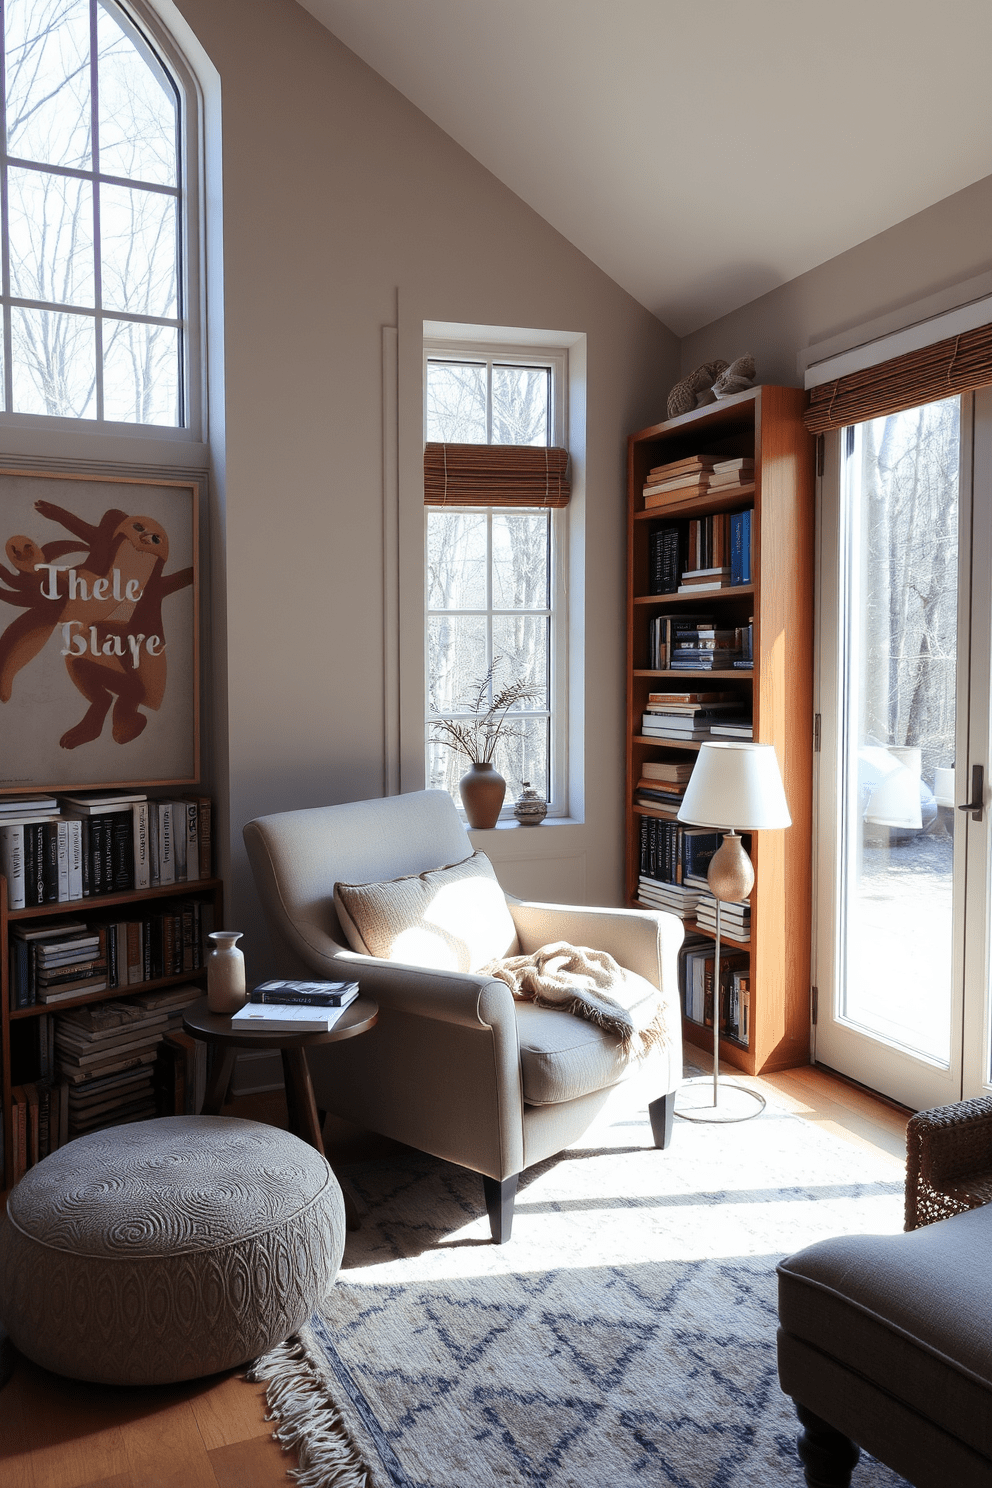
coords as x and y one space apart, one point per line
738 591
15 1023
700 506
764 423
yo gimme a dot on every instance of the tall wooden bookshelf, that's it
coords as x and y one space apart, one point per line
766 423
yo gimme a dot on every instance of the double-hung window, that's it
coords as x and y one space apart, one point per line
495 579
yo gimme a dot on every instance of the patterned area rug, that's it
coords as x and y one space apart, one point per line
625 1335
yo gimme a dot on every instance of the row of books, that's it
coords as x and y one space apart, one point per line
697 964
681 481
56 850
95 1067
671 851
701 554
698 643
60 960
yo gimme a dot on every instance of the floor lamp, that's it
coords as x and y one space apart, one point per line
734 787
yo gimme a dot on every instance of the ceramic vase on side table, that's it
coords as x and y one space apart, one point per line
226 972
482 791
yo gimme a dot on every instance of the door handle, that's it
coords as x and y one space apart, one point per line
977 803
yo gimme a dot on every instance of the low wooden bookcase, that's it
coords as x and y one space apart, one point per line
17 1027
764 423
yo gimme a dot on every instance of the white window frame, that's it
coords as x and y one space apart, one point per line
556 359
150 33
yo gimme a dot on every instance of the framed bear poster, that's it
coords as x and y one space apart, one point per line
99 631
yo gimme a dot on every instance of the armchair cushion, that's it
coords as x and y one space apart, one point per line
562 1057
450 919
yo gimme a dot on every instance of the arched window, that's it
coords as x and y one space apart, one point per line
94 285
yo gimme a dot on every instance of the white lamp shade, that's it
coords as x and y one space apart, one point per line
735 787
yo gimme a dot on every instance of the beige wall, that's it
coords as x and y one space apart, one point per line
929 252
340 203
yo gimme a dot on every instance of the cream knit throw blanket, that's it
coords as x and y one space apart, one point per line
590 984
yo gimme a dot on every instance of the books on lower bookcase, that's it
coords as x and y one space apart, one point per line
85 845
61 960
697 964
179 1080
106 1052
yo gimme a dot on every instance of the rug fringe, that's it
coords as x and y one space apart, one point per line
308 1421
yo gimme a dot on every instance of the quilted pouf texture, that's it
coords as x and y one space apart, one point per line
168 1249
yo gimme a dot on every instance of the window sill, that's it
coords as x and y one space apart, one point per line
514 826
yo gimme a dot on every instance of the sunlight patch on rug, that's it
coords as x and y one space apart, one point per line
624 1336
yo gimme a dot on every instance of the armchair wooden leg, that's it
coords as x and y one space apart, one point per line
499 1202
828 1456
662 1114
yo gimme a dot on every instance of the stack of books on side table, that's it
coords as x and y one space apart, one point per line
295 1007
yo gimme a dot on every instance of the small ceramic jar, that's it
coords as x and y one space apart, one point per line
531 808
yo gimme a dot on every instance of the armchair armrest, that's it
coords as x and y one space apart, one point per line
460 997
643 941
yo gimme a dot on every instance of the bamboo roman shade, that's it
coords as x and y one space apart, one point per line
495 475
956 365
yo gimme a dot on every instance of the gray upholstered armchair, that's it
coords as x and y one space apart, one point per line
455 1066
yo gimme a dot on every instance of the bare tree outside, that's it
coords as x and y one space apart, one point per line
902 497
489 575
95 307
909 483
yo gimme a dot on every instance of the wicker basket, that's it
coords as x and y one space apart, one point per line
948 1161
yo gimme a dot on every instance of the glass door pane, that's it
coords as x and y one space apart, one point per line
899 526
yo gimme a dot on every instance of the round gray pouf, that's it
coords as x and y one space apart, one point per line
169 1249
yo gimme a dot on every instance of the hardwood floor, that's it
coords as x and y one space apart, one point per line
57 1433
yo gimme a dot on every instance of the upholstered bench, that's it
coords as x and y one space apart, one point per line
168 1249
886 1341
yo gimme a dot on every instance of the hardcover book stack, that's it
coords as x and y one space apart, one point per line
688 715
295 1007
105 1053
662 784
682 482
735 918
56 961
83 846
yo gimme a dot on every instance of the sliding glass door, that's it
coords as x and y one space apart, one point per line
901 966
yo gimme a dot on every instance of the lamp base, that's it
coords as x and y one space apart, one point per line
695 1100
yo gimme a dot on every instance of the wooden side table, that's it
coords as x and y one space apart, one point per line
217 1030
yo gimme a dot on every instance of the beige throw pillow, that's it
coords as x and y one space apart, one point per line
450 919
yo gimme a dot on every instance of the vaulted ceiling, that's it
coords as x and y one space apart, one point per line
701 154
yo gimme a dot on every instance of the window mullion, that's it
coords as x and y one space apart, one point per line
489 598
489 400
97 246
